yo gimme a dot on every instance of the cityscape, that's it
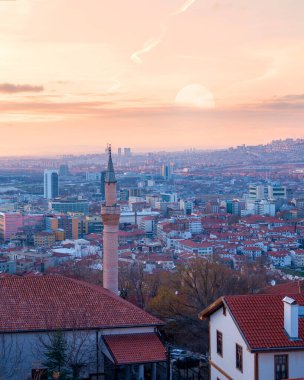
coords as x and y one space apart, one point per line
236 214
151 190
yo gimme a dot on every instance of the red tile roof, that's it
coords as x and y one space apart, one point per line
135 348
56 302
260 319
291 287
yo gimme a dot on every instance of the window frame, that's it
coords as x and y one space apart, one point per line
239 357
287 364
219 338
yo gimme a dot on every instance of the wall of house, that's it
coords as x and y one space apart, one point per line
295 364
231 337
22 352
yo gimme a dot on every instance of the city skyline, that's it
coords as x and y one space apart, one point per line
171 76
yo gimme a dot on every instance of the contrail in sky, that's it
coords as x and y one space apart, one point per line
116 86
153 42
148 45
183 7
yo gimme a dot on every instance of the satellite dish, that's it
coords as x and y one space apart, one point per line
272 283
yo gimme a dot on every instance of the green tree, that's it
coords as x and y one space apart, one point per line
55 354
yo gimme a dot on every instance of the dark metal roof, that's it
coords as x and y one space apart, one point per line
110 174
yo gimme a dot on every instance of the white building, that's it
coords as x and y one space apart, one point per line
259 207
256 337
51 184
297 258
186 206
259 192
280 258
202 248
93 176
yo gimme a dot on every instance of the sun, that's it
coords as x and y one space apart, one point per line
195 95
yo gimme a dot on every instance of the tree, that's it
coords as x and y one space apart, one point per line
55 354
186 292
10 356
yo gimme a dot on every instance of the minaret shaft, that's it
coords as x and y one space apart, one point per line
110 217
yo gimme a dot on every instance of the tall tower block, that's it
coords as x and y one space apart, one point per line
110 213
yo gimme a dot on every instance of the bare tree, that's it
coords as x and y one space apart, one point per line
10 356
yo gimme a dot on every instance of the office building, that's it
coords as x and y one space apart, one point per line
70 205
102 184
64 170
167 171
51 184
68 224
13 222
127 152
260 192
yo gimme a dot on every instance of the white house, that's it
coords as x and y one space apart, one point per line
106 335
280 258
256 337
202 248
297 257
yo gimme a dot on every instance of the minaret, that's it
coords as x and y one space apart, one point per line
110 213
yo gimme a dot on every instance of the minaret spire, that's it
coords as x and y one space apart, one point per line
110 174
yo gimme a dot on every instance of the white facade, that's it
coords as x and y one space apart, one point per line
279 260
231 337
256 366
259 192
297 258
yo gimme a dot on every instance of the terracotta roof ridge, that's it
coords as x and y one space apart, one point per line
111 295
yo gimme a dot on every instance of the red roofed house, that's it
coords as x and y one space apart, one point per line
117 338
202 248
256 337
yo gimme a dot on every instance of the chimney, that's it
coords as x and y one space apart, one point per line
291 317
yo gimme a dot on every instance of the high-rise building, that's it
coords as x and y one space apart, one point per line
110 212
102 184
64 170
167 171
51 184
127 152
119 152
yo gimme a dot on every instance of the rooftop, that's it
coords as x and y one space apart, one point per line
54 302
260 320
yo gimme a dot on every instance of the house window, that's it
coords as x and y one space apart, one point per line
239 357
280 367
219 343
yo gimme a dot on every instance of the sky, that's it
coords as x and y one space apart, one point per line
151 75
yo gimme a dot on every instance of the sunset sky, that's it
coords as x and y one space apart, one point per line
149 74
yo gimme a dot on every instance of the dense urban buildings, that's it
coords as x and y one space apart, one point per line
145 223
